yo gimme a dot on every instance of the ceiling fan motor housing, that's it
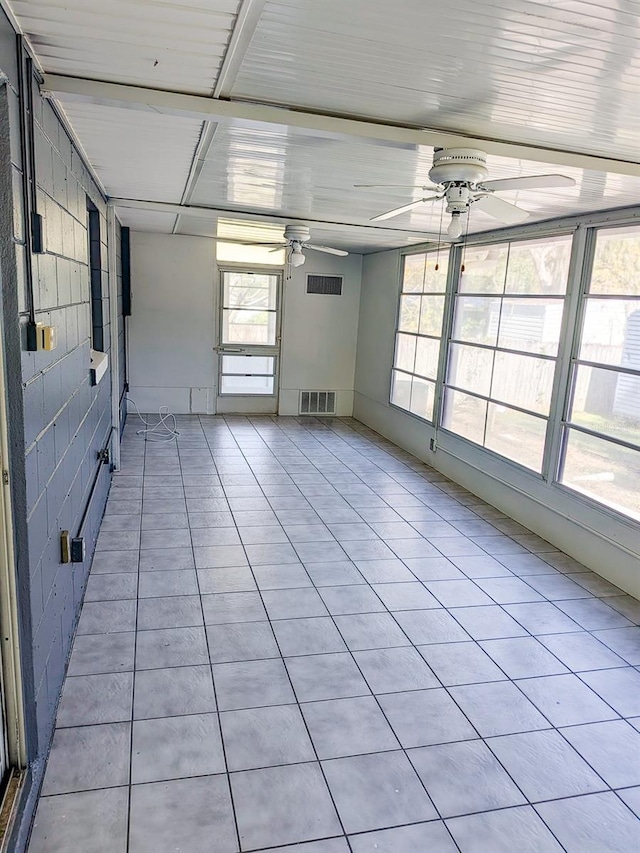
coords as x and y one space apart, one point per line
297 233
464 165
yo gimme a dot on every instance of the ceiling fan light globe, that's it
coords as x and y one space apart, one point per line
297 258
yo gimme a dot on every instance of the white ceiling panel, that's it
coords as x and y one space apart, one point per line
171 44
136 155
563 73
352 238
302 174
146 220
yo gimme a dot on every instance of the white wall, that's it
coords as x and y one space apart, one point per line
604 543
172 330
319 334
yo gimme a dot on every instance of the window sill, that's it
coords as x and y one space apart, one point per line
99 365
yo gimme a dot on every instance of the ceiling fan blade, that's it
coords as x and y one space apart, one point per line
398 210
327 249
500 209
426 187
529 182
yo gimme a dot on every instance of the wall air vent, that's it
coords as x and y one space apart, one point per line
317 403
325 285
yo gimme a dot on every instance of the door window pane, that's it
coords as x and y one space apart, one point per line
516 436
605 471
608 402
248 364
249 327
465 415
250 290
252 385
523 381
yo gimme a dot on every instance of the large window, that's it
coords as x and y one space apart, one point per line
419 333
601 452
504 344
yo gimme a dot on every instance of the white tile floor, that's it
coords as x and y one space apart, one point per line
296 636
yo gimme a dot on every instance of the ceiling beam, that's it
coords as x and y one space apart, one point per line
214 109
213 213
243 31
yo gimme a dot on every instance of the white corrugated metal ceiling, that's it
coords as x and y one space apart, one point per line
560 74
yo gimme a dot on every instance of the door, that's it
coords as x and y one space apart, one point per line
249 341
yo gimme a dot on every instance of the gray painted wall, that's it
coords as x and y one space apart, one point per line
58 421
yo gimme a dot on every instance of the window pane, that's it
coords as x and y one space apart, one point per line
617 261
477 319
516 436
485 268
523 381
401 390
247 385
248 364
405 352
531 325
465 415
431 315
611 332
604 471
409 314
607 401
247 290
427 355
470 368
248 327
413 278
422 398
539 266
435 280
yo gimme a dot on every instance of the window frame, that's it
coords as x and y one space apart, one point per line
448 253
515 235
573 361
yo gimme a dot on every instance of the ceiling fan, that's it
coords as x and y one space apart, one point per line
459 178
296 238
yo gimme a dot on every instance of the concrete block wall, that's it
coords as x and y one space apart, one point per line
58 421
67 420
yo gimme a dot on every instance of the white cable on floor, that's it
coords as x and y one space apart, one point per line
160 431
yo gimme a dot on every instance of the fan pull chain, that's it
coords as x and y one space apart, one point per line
439 238
464 244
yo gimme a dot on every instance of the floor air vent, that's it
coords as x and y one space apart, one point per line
326 285
317 402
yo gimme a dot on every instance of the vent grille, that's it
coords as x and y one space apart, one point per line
325 285
317 402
